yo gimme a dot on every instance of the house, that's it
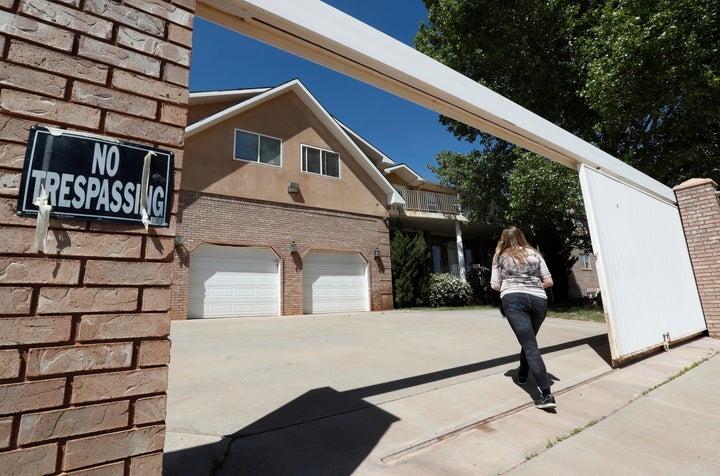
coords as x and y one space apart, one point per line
280 212
584 282
284 210
456 244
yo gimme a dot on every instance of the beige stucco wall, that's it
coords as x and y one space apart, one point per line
210 168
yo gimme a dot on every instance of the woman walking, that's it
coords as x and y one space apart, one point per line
520 274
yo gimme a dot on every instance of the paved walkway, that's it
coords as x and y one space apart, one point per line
430 393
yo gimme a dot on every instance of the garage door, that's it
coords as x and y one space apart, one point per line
334 282
228 281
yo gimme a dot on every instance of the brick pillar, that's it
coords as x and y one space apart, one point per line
84 327
700 214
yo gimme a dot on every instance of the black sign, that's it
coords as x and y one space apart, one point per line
92 178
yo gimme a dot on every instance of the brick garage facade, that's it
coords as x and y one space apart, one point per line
700 214
84 346
222 220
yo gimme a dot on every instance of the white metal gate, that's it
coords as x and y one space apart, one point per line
646 279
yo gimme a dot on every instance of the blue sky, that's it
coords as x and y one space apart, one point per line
405 132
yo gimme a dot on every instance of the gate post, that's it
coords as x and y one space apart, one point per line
84 325
700 215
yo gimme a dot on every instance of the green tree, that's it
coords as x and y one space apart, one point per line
637 78
652 75
481 176
540 196
522 49
525 50
553 217
410 260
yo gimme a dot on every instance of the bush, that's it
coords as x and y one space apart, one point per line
410 264
479 279
447 290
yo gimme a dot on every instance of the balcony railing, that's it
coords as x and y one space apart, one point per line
430 201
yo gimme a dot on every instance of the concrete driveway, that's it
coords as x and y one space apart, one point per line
408 393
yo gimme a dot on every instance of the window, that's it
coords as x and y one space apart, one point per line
257 148
585 260
319 161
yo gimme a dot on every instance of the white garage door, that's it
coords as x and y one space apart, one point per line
334 282
227 281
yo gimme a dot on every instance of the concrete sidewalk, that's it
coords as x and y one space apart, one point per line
413 393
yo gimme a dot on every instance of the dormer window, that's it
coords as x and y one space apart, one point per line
320 161
253 147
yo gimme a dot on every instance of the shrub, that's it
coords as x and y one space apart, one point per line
447 290
479 280
410 259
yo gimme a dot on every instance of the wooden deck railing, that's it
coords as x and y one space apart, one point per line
430 201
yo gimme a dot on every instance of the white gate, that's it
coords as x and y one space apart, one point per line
646 279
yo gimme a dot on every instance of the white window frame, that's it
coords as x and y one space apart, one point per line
257 155
303 161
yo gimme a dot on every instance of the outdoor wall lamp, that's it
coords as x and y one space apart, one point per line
293 247
376 252
293 187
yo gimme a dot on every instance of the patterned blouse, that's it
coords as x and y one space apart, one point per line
515 277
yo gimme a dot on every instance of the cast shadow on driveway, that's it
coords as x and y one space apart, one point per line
323 431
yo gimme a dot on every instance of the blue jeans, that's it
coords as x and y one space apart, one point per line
526 313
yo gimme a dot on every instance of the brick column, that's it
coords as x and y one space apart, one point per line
700 214
84 327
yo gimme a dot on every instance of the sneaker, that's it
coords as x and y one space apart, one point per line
545 403
521 379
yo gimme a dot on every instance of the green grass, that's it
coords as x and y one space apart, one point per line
578 313
451 308
673 377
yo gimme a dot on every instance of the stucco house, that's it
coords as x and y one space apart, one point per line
280 212
284 210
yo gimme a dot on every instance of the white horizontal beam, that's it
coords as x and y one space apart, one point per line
320 33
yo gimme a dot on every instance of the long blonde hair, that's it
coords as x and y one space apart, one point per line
512 241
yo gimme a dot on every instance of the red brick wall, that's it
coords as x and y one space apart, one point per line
84 327
700 214
221 220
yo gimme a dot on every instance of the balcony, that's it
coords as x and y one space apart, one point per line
418 200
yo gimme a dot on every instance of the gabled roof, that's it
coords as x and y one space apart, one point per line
252 98
406 173
388 166
382 161
214 97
